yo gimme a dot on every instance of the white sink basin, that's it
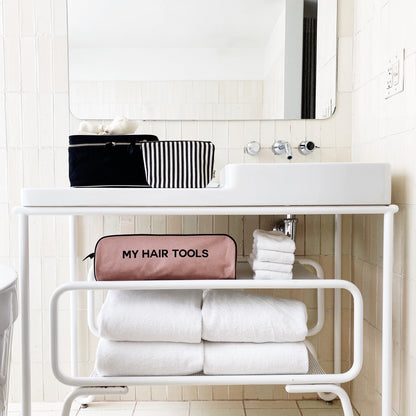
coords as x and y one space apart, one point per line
243 185
311 183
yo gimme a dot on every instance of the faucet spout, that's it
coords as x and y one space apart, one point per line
279 147
288 150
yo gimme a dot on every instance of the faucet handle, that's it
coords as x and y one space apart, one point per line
253 148
306 147
279 147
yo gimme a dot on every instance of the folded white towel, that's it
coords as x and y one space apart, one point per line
268 265
248 358
114 358
237 316
273 256
151 315
273 240
270 275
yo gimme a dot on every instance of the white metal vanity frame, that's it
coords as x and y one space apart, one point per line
299 383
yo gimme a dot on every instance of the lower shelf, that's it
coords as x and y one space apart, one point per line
315 375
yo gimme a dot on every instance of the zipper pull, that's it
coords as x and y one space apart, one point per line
90 256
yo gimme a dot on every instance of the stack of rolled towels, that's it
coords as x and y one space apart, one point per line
273 255
183 332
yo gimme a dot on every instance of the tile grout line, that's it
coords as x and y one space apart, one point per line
134 407
300 410
244 407
355 410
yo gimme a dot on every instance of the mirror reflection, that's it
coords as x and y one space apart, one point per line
196 59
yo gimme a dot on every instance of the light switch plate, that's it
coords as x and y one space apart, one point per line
395 75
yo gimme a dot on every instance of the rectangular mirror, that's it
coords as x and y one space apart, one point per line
202 59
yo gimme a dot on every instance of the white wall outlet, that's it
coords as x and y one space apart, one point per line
395 75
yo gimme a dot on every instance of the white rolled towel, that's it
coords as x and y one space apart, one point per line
270 275
268 265
248 358
114 358
273 240
237 316
151 315
87 127
120 125
273 256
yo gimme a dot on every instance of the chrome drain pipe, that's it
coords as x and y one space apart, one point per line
287 226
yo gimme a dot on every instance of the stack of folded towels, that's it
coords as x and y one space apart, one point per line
185 332
273 255
150 333
249 333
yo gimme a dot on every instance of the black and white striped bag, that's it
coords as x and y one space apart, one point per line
178 164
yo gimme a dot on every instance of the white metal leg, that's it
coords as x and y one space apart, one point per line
337 293
85 391
74 303
323 388
387 351
25 313
74 295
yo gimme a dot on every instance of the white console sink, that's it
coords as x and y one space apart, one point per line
295 184
311 183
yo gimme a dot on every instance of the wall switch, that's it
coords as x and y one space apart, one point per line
395 75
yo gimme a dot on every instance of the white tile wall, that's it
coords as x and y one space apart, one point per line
385 131
168 99
34 125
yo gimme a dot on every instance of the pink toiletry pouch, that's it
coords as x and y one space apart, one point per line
165 257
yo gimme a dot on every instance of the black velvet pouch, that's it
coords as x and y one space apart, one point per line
107 161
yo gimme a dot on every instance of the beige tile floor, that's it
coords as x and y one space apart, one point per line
200 408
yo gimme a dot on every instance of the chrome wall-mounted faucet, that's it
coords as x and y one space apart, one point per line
279 147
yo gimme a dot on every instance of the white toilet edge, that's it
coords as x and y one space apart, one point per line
8 297
8 278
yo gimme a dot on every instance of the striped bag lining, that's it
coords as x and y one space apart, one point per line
178 164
